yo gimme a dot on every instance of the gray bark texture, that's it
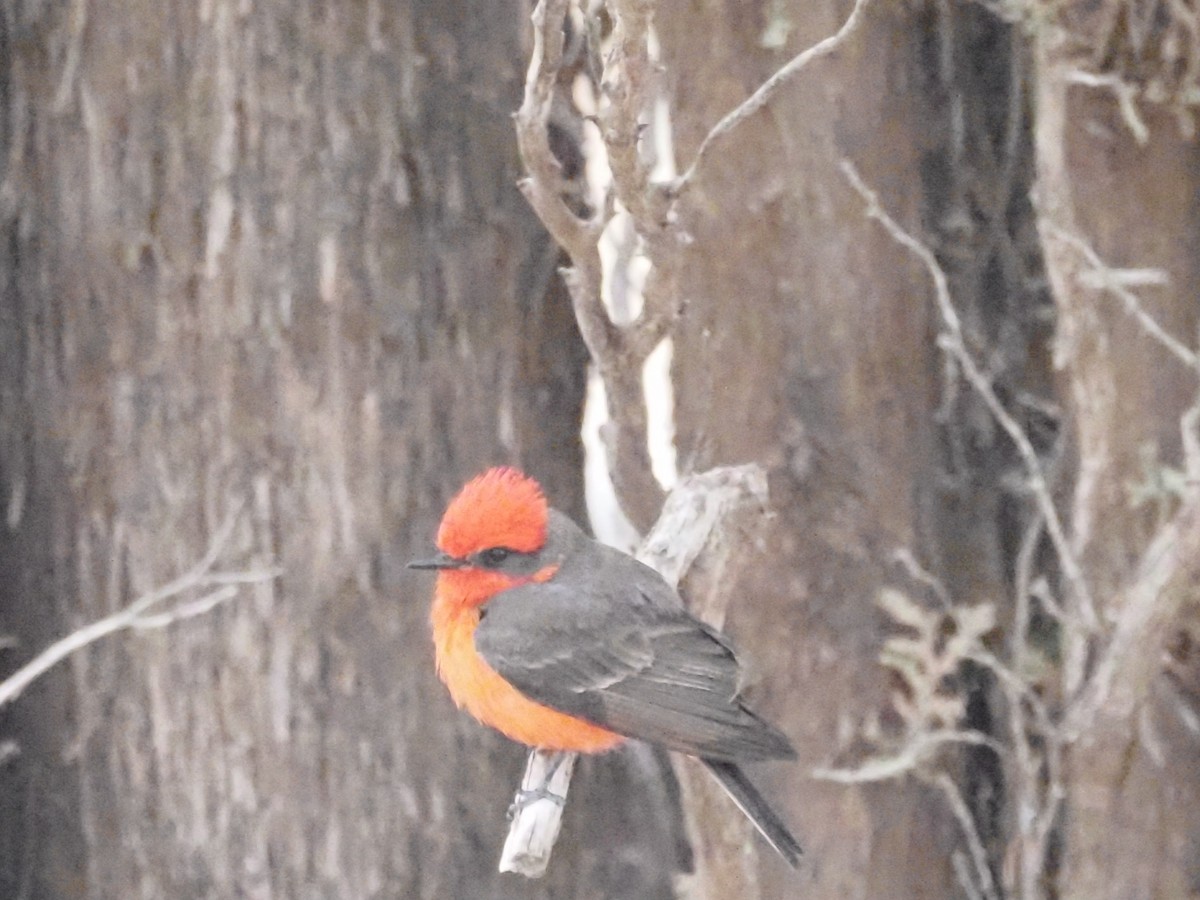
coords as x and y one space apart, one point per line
267 262
271 255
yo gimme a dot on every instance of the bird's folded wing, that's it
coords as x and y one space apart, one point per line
627 664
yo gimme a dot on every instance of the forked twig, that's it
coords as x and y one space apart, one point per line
138 615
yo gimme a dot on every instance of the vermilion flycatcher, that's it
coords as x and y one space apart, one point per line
563 643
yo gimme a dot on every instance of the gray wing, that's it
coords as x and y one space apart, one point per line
629 659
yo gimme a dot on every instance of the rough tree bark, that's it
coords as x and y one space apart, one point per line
269 257
804 338
271 254
804 343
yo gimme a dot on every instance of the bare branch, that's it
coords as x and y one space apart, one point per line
1149 606
768 89
629 90
962 813
618 351
1039 794
952 341
694 514
1126 95
544 187
136 614
183 611
194 576
962 872
909 759
1189 427
1023 584
619 362
920 574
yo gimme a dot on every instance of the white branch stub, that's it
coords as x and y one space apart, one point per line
537 813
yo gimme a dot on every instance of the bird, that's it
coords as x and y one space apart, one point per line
563 643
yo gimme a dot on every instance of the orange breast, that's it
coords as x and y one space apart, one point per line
476 687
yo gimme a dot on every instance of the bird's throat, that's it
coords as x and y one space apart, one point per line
469 588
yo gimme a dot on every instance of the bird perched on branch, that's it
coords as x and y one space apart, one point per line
565 644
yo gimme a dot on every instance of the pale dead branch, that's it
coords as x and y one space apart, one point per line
628 87
1162 584
544 187
1039 788
920 574
537 813
916 754
979 860
619 351
1038 742
771 86
1125 93
145 612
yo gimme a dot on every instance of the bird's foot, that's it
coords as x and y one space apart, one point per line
523 798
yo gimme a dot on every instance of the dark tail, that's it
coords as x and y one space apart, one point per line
752 803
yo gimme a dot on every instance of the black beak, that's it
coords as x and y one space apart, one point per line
441 561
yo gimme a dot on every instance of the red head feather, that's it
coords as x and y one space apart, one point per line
500 508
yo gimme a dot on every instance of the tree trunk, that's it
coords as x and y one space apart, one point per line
804 343
270 257
267 261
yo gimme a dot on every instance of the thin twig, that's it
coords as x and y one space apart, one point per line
909 758
920 574
962 871
1023 584
1117 282
962 813
1028 803
1037 796
1126 95
1148 606
182 611
136 614
1039 800
1189 429
768 89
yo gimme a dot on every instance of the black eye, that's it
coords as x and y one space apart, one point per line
494 556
